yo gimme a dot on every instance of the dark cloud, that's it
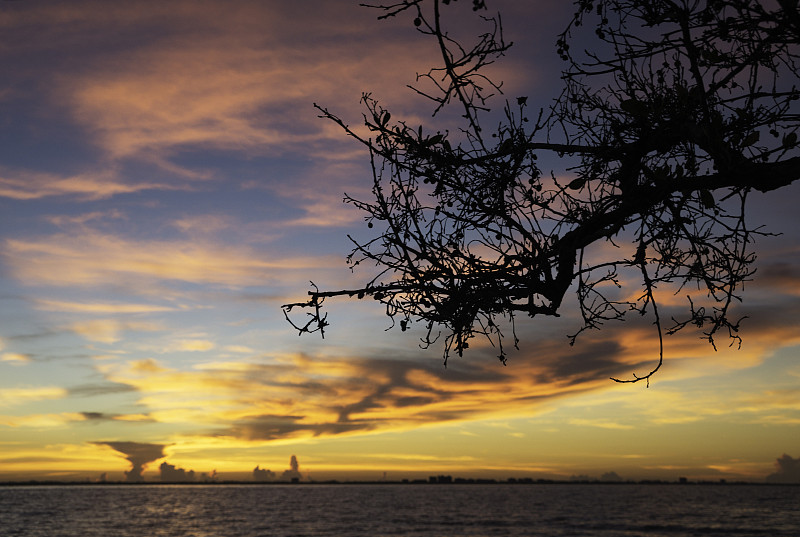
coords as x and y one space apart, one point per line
611 477
584 362
293 473
171 474
273 427
787 470
780 275
138 454
777 317
413 401
366 394
33 337
105 388
102 416
97 416
262 475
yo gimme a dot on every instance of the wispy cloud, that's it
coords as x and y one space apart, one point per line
15 358
111 330
94 258
99 307
18 396
29 184
41 421
193 345
301 396
225 83
603 424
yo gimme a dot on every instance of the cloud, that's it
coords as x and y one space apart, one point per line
146 367
298 396
611 477
102 416
30 185
111 330
603 424
211 78
17 396
302 396
171 474
41 421
787 470
194 345
293 473
99 307
138 454
205 224
93 259
15 358
782 277
262 475
239 349
99 389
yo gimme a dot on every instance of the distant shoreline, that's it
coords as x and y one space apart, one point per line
418 482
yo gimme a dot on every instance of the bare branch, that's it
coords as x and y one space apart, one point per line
679 113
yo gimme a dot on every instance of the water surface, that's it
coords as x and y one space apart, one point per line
400 510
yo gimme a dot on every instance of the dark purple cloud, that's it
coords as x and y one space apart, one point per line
787 470
138 454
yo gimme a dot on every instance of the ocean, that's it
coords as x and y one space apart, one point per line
374 510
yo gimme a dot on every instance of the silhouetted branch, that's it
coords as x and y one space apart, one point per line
679 113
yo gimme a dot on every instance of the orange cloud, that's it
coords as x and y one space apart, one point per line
92 259
218 80
28 185
303 397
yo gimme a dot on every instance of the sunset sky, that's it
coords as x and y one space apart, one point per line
166 184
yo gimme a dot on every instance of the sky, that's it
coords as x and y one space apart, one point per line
166 184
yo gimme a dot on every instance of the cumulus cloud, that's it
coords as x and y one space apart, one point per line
613 477
138 454
263 475
293 473
787 470
171 474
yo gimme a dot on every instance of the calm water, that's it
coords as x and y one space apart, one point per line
400 510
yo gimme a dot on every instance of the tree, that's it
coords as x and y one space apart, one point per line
676 114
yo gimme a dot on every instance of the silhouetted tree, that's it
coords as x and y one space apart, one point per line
676 111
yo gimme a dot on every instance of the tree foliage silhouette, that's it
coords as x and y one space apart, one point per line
674 115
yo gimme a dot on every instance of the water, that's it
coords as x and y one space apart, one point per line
400 510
